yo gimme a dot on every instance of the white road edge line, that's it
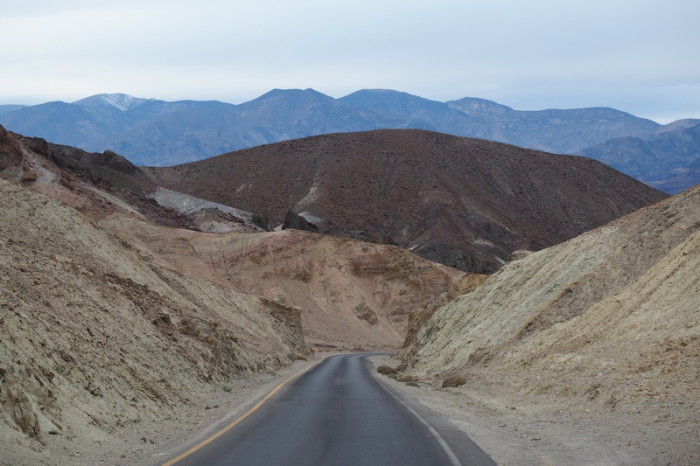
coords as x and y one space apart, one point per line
445 447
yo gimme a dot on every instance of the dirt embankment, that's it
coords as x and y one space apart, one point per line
95 338
350 294
605 326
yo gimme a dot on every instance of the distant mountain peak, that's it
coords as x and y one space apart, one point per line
477 103
289 97
391 100
380 91
119 101
381 94
292 92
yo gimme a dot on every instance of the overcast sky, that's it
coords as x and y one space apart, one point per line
640 56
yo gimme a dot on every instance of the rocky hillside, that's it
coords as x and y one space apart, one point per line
95 337
350 294
463 202
609 320
339 284
100 184
121 301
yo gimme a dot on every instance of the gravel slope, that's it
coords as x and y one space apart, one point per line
96 339
607 323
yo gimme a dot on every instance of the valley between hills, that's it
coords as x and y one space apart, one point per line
548 305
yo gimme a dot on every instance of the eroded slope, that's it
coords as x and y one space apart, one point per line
609 320
350 294
95 337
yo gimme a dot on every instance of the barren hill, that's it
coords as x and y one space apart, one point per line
350 294
158 133
111 269
118 311
463 202
95 337
338 284
606 323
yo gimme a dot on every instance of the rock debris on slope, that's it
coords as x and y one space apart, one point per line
609 320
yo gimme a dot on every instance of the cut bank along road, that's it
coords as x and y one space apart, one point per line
338 414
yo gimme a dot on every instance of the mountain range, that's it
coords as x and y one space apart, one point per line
158 133
669 159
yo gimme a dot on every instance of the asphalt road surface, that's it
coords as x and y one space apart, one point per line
339 414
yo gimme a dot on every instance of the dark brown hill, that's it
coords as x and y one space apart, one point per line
463 202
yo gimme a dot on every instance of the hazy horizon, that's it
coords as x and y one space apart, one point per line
639 57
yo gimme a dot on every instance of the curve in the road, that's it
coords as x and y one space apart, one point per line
337 413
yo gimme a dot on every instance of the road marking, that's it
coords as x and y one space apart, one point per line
238 420
445 447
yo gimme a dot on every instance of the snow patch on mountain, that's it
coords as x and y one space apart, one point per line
122 102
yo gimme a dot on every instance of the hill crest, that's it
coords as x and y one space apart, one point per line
467 203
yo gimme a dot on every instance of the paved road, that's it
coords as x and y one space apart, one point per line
338 414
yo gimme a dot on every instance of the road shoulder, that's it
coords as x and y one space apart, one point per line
509 432
205 416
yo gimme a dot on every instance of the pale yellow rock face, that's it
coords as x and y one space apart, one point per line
95 337
615 311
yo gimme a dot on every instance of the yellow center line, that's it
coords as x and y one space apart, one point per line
237 421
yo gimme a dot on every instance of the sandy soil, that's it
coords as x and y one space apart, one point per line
512 431
196 422
531 430
96 339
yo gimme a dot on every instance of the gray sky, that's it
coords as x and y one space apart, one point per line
640 56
